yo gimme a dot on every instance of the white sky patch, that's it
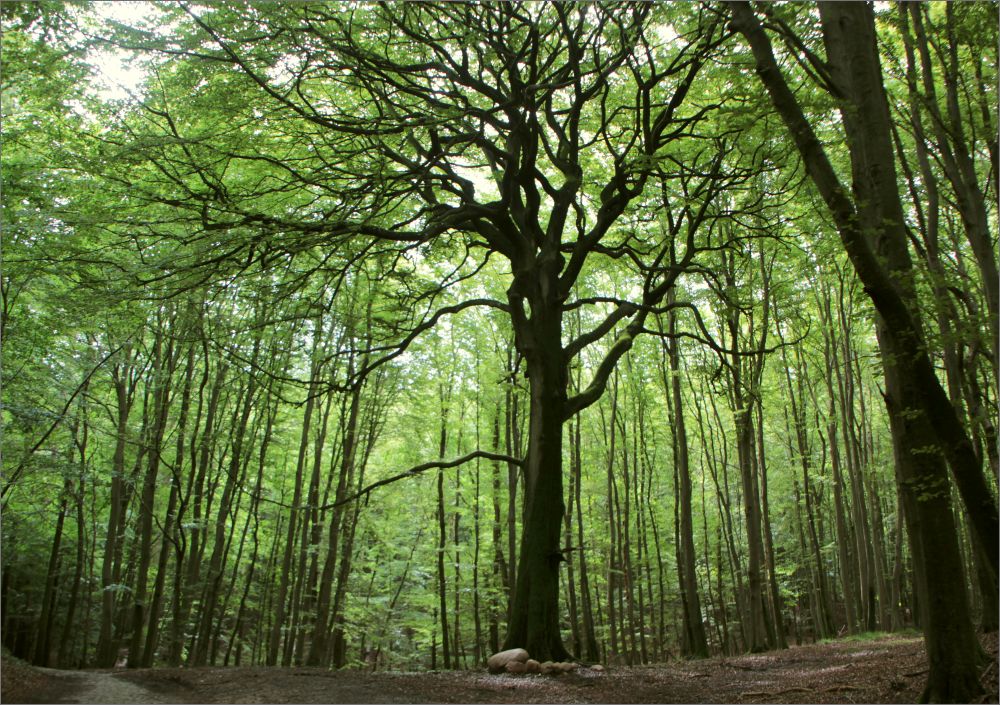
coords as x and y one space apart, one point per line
667 33
119 73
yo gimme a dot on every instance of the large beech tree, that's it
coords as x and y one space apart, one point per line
527 131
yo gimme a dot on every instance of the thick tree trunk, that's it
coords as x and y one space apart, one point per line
952 649
534 621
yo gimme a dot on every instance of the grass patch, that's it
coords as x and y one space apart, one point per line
900 635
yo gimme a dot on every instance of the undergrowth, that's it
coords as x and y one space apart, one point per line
901 634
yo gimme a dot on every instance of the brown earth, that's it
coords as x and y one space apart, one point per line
890 669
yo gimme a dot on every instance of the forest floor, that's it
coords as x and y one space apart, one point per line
887 669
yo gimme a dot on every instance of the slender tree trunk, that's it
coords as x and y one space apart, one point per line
574 613
442 584
614 564
512 440
124 396
46 618
70 627
163 364
478 657
153 627
499 580
591 651
233 480
777 606
280 606
824 615
187 585
694 643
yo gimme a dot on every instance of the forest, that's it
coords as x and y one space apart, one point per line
392 335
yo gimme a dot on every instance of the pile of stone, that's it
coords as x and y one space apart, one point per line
519 661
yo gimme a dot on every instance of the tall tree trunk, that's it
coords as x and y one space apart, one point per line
280 606
824 617
843 528
694 643
574 612
319 646
873 234
304 595
153 626
534 620
512 445
46 618
70 627
614 540
777 606
163 364
741 378
124 382
187 584
478 657
442 584
237 638
233 480
500 573
590 649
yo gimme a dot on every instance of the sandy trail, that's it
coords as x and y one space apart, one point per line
105 687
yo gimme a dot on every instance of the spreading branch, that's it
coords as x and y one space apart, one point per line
423 467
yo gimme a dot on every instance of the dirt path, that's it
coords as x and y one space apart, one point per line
890 669
102 687
50 685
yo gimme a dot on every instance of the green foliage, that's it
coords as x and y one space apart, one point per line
273 218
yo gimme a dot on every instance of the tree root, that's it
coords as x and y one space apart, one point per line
764 694
989 667
797 689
